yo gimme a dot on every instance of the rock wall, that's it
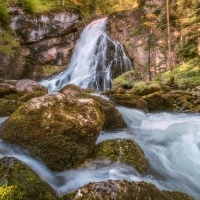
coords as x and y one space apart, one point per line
122 27
46 38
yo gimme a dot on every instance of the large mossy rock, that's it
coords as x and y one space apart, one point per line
130 100
123 150
18 181
121 190
113 119
58 129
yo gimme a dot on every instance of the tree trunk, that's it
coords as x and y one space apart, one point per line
169 56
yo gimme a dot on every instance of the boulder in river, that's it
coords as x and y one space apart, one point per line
56 128
122 189
125 151
18 181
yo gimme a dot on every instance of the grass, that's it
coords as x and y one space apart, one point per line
184 74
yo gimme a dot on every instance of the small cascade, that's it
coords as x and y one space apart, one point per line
95 62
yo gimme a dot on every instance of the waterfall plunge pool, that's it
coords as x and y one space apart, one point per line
171 143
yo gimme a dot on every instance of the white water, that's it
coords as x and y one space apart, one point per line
171 143
95 61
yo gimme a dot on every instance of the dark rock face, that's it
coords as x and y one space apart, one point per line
122 189
125 151
46 38
18 181
58 129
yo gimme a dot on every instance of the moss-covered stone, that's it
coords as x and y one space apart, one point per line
130 100
59 130
6 89
7 107
113 119
18 181
123 150
160 102
121 189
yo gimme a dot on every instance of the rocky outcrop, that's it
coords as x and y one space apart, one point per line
18 181
61 131
126 27
125 151
122 189
46 38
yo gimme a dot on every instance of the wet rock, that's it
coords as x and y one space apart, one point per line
18 181
26 86
122 189
61 131
125 151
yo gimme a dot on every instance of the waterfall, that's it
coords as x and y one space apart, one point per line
96 60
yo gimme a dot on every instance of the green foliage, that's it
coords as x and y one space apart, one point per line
8 43
185 75
4 16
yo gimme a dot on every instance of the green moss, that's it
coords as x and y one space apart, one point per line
126 80
8 43
22 182
123 150
65 130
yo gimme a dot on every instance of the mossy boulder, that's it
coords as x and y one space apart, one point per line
18 181
61 131
160 102
130 100
30 95
113 119
123 150
122 189
142 88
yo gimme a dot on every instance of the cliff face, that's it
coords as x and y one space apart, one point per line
143 39
46 38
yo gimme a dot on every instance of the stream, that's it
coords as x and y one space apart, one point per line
171 143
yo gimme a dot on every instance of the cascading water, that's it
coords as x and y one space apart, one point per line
95 62
171 143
